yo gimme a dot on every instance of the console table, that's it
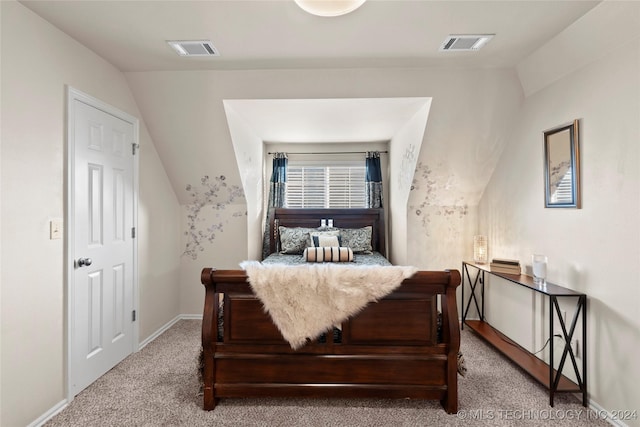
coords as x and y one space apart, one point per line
546 374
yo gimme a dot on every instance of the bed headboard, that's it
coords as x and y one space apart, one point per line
342 218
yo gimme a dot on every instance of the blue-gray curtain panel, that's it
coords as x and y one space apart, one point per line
277 194
373 180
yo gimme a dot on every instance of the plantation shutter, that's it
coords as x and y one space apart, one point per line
346 184
305 187
334 185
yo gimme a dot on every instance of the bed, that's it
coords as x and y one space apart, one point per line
405 345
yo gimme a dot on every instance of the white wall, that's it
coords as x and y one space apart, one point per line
159 243
250 154
38 61
403 157
596 249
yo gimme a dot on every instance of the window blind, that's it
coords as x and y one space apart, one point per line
335 185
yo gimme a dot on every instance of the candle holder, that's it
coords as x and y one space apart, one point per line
480 249
539 267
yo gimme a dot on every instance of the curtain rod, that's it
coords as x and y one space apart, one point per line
337 152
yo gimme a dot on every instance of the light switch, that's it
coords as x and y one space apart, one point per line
56 228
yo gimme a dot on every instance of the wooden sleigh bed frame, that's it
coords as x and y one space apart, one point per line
394 348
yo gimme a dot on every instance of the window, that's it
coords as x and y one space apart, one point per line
334 185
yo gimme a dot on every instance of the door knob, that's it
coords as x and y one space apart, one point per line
83 262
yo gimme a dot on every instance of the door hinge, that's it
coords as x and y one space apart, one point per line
133 232
133 316
134 148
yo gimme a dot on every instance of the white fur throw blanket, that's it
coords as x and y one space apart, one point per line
307 300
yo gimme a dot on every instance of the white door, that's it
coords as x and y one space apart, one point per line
101 239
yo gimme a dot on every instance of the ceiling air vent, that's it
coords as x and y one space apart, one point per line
194 48
465 43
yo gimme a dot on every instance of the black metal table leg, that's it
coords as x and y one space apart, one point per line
479 279
585 399
567 336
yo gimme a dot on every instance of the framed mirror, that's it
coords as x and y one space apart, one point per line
562 167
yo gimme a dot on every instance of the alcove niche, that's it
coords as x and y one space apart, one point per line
254 123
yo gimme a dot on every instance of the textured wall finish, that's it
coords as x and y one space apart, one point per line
429 188
210 194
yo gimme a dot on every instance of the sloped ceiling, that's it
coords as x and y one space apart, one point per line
470 114
274 50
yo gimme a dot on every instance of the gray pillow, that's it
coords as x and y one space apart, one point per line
358 239
293 240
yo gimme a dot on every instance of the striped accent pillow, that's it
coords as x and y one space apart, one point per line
322 240
328 254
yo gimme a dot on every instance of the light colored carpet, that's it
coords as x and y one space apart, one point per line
158 387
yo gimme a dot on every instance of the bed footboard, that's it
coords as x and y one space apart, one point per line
394 348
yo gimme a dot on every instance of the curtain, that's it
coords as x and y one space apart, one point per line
373 180
277 188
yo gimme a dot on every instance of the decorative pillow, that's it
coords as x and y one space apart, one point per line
325 240
293 240
358 239
328 254
316 233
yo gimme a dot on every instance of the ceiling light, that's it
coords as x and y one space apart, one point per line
329 7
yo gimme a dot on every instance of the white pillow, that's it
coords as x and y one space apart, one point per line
324 240
314 235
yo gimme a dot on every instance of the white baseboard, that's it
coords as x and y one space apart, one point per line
50 414
191 316
166 326
603 414
159 332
